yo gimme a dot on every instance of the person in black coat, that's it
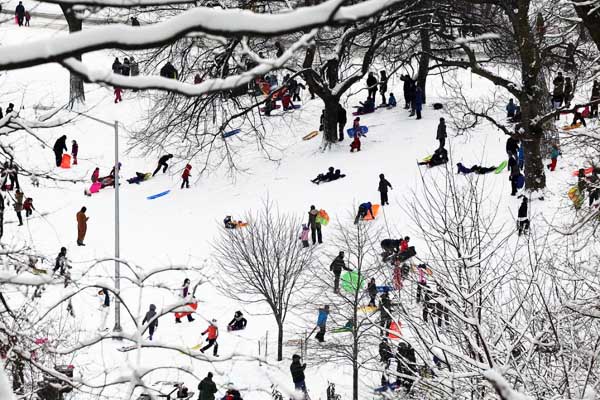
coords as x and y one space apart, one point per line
59 146
514 171
441 133
297 371
238 322
153 322
406 365
512 147
168 71
383 87
207 388
372 290
116 66
162 162
10 108
372 86
341 119
390 246
522 217
406 89
20 13
385 312
385 353
336 267
315 227
383 189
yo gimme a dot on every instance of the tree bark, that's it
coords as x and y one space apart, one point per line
1 216
279 340
76 89
590 21
424 62
330 126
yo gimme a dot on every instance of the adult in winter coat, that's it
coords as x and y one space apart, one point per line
372 290
372 86
522 217
116 66
390 246
595 97
322 322
61 262
383 79
383 189
162 163
125 67
59 146
20 13
418 101
207 388
19 205
511 108
406 90
512 147
134 68
186 176
297 371
406 365
385 352
315 227
151 320
238 322
338 264
168 71
385 310
81 226
212 333
363 210
568 91
341 120
441 133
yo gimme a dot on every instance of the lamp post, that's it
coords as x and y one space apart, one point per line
115 125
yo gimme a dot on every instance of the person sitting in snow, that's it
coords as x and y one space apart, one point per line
139 177
439 157
95 175
367 107
232 224
238 322
324 177
392 101
475 169
363 210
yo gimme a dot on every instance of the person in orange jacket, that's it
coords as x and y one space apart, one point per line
213 334
186 176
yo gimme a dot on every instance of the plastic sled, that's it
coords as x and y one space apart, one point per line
367 309
571 127
391 386
275 107
363 131
394 330
501 167
96 186
343 329
241 225
350 282
231 133
356 113
66 161
127 348
426 158
191 307
310 135
586 171
575 196
322 218
405 255
156 196
384 289
375 209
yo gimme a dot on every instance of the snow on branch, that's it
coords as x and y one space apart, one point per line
232 22
187 89
503 388
120 3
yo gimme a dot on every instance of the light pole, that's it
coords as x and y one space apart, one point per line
115 125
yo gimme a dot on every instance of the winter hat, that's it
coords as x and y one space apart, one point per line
381 176
210 375
304 226
295 357
214 321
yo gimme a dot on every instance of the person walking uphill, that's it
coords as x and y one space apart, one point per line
315 227
81 226
297 371
213 334
162 163
441 133
383 189
59 146
322 323
186 176
20 13
207 388
152 320
336 267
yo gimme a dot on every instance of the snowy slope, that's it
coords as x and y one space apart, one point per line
178 228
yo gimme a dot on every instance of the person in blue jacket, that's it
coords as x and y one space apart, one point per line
363 210
392 101
322 322
511 108
521 156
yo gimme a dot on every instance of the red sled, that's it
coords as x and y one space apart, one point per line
586 171
191 306
66 161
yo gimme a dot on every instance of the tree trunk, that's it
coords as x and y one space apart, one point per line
590 21
76 89
424 62
279 340
1 216
330 125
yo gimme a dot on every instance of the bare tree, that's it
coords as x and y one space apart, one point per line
265 259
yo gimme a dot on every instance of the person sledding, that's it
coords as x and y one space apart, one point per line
286 101
477 169
363 210
232 224
238 322
439 157
95 175
331 175
367 107
406 251
140 177
390 247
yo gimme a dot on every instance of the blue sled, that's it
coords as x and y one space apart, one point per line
363 131
391 386
156 196
383 289
231 133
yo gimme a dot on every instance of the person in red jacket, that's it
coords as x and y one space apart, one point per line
404 244
186 176
118 92
74 151
213 334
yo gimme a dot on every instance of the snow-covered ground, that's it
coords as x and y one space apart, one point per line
177 229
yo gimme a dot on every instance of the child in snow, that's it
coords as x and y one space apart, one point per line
229 223
367 107
19 205
186 176
304 235
95 175
522 218
372 290
213 334
27 18
355 145
392 100
238 322
404 244
118 92
28 206
363 210
74 151
553 157
421 281
152 320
